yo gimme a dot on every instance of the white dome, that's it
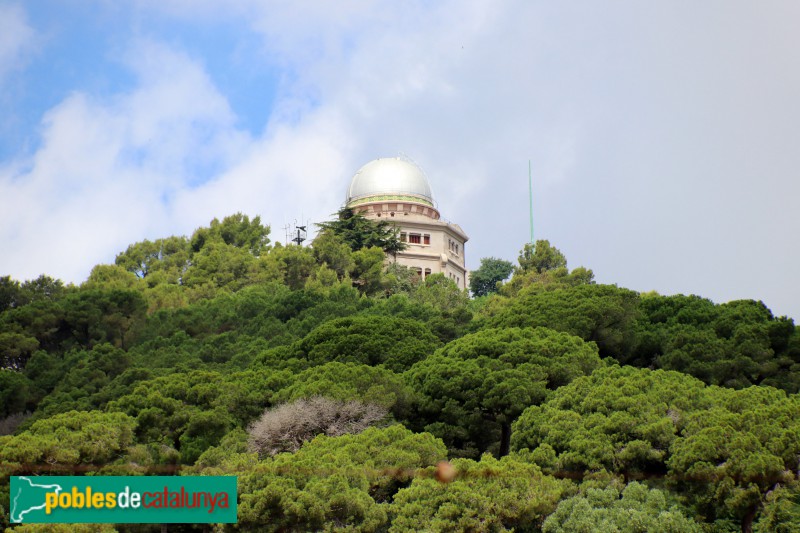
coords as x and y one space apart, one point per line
389 178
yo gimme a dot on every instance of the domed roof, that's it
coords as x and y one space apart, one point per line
389 178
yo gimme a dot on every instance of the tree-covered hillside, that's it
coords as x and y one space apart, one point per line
347 394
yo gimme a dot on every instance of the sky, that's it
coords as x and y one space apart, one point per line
663 137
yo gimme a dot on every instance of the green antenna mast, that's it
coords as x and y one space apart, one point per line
530 196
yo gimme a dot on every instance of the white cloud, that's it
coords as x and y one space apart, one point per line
17 39
161 159
108 168
664 144
294 173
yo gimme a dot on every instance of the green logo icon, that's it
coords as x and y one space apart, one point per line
29 496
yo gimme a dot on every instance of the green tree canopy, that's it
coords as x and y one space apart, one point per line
295 264
16 349
736 344
473 389
70 439
359 232
82 386
235 230
731 455
604 314
219 265
635 509
330 249
396 343
781 512
441 293
343 481
81 318
368 272
192 411
544 267
723 450
492 271
169 256
17 393
44 288
10 294
489 495
220 256
540 257
162 360
620 419
351 381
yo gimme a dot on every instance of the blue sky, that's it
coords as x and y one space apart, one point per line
663 136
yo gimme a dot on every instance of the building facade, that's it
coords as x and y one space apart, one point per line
397 190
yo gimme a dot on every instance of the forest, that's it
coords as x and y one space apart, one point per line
339 386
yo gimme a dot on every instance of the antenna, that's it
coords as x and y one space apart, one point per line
286 233
530 196
299 234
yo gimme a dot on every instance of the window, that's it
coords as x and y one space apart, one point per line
427 272
404 237
426 239
415 238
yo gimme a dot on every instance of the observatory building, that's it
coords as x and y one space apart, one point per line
397 190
